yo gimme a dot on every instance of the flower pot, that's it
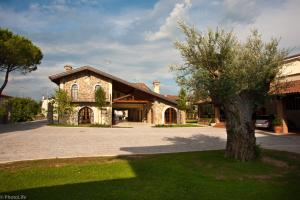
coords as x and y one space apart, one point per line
278 129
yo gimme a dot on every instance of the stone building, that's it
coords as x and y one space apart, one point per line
138 102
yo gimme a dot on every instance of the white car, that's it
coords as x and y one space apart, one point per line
264 121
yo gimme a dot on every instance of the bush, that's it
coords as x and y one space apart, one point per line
2 111
23 109
277 122
191 121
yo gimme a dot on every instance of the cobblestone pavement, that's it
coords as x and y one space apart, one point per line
36 140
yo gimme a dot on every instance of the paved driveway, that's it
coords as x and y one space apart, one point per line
35 140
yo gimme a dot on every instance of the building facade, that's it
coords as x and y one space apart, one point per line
138 102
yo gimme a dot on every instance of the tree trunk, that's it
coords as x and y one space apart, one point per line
241 141
5 81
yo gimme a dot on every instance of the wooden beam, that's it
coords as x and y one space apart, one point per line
122 97
130 101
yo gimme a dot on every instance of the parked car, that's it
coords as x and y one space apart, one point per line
264 121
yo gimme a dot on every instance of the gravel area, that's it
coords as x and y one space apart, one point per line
36 140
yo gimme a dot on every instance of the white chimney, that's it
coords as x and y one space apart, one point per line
156 86
68 68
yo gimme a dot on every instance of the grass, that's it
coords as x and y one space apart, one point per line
176 125
193 121
193 175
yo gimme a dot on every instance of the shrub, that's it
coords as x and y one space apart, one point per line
277 122
2 111
23 109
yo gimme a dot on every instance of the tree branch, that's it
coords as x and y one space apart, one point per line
5 81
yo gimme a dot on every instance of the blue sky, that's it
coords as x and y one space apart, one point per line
132 39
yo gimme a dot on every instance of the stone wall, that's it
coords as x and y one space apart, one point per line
86 82
159 109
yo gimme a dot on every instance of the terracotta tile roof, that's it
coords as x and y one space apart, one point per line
142 86
172 97
291 87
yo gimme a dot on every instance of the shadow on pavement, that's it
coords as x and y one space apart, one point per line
181 144
24 126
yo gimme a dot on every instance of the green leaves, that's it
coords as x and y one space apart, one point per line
182 100
218 66
63 103
100 98
18 53
23 109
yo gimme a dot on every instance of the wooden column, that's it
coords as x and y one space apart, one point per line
281 115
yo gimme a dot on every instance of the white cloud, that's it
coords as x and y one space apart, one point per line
279 22
170 25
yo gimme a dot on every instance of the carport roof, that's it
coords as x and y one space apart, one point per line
56 79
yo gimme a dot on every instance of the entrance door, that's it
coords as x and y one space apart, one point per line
170 116
85 115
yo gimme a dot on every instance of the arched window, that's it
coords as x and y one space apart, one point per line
97 87
74 92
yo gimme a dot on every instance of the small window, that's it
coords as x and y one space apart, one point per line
74 92
97 87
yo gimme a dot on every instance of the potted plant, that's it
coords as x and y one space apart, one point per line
277 124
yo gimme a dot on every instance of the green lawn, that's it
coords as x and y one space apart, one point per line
196 175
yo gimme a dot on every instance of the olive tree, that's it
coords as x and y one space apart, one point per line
235 75
17 53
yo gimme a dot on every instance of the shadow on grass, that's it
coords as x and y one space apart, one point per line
173 176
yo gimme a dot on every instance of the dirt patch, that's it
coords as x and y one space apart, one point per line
274 162
58 162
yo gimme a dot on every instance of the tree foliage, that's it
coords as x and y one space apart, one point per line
234 75
23 109
182 99
63 103
17 53
100 98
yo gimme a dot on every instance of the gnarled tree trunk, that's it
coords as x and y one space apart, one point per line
240 129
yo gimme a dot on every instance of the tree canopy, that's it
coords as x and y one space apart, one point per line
23 109
63 103
17 53
100 98
234 75
182 99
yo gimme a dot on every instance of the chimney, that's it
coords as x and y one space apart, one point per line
68 68
156 86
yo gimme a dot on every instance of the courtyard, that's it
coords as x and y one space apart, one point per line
36 140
